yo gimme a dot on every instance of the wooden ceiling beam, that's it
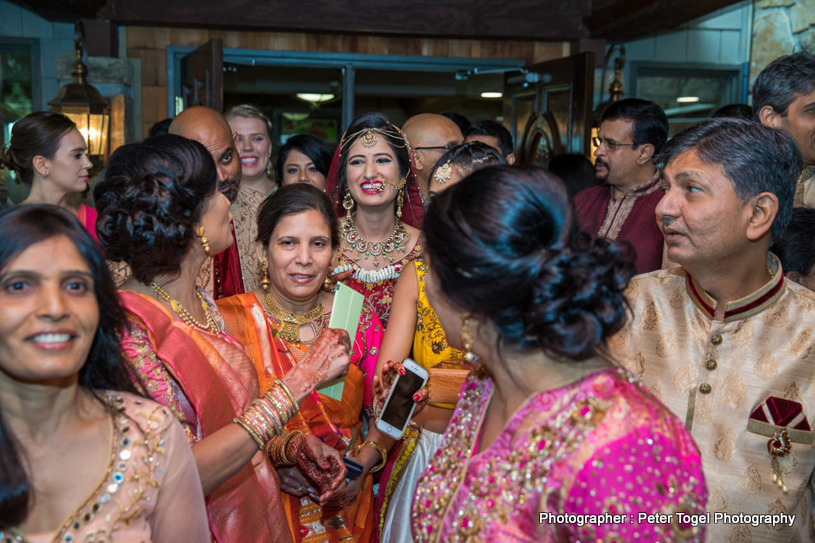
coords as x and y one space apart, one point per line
623 20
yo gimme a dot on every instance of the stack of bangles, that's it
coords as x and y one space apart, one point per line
381 450
269 414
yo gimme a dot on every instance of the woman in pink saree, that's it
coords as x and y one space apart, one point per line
548 430
160 213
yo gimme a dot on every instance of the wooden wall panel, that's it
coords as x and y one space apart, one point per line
150 45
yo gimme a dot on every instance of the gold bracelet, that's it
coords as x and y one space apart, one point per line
274 403
381 450
246 426
269 415
287 391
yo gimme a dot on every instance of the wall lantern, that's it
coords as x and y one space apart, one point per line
82 103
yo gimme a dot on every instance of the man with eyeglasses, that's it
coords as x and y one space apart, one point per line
632 131
431 136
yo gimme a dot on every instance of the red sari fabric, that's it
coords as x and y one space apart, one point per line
218 380
87 216
227 277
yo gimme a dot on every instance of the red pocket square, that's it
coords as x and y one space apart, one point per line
783 413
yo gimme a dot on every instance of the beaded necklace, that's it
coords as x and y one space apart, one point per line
185 315
291 322
395 242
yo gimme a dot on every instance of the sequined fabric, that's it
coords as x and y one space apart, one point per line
136 501
600 444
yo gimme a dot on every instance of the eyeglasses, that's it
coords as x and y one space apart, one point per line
611 145
438 148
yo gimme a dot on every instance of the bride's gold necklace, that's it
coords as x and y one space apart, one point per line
291 322
185 315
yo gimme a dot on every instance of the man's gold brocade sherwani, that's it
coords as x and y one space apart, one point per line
714 374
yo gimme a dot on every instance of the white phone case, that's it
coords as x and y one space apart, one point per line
393 431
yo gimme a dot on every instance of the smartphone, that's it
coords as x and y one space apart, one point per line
399 405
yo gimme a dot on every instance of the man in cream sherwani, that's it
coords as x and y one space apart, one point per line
724 340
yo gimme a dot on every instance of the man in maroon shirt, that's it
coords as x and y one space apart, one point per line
632 131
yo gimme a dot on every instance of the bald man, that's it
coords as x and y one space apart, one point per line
431 136
221 275
209 128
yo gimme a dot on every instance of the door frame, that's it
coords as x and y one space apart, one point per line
347 62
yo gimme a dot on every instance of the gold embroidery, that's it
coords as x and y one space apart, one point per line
750 480
733 390
667 344
664 279
767 367
743 335
632 292
656 390
703 412
679 298
636 364
619 341
699 327
805 298
777 316
741 534
685 379
711 353
650 316
793 393
776 508
717 500
801 346
725 448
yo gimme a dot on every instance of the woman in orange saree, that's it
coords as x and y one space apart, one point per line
156 198
297 237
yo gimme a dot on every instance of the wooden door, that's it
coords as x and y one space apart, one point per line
202 76
549 108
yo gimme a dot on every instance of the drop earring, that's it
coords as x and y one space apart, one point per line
264 276
348 201
400 200
204 240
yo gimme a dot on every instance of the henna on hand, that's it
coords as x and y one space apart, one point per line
319 463
326 359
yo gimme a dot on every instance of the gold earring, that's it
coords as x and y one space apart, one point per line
400 200
204 240
467 337
348 201
264 274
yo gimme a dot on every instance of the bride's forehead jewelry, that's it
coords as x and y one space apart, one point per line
369 138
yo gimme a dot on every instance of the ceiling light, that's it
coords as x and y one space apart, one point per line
315 98
492 95
687 99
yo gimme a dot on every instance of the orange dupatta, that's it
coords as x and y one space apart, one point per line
217 379
337 423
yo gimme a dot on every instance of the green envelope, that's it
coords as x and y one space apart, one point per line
345 314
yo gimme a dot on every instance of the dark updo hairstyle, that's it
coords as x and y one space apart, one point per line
153 194
310 145
504 244
291 200
391 135
36 134
469 157
21 227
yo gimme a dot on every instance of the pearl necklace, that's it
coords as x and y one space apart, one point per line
185 315
395 242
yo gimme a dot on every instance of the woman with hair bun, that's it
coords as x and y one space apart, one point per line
48 153
546 425
160 212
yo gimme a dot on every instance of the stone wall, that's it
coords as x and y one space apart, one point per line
780 27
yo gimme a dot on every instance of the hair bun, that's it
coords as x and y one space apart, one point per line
577 299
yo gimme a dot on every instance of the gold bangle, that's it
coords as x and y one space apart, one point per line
246 426
269 415
279 407
287 391
382 451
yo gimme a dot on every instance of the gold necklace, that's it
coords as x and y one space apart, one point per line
185 315
291 321
395 242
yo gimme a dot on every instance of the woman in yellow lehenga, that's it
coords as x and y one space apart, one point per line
297 239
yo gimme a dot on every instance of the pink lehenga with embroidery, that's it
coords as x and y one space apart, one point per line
601 444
